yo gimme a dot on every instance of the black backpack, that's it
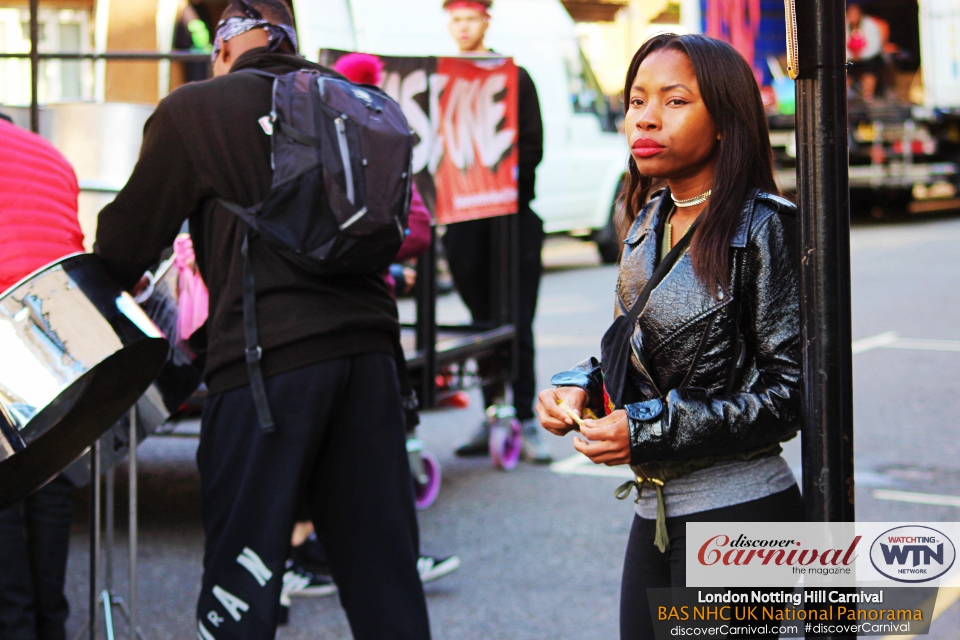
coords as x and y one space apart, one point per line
338 203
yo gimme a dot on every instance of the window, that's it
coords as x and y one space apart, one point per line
60 80
585 93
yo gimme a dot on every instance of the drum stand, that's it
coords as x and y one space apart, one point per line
105 597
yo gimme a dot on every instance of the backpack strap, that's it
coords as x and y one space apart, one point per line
253 351
408 397
302 138
287 130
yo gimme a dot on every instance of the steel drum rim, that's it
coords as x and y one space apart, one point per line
40 270
123 356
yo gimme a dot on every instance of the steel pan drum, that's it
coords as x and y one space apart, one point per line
75 353
178 379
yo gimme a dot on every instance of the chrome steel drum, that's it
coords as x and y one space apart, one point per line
178 379
75 353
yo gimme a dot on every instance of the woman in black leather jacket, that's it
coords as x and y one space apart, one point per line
701 373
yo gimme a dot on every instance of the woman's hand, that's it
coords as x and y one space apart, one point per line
552 417
609 439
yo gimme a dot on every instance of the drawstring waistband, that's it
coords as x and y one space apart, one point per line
656 474
662 538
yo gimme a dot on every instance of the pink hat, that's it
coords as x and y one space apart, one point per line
483 6
361 68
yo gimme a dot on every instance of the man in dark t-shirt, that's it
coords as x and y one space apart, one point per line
467 244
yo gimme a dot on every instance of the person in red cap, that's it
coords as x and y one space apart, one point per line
38 225
467 244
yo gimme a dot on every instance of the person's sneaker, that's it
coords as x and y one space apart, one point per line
478 444
431 568
534 448
300 583
310 556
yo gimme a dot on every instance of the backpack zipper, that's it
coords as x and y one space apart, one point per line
273 121
345 156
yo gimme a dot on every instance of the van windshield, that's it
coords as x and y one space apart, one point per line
585 93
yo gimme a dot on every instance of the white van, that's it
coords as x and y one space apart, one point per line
584 157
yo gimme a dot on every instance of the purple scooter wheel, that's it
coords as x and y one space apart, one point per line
505 443
426 494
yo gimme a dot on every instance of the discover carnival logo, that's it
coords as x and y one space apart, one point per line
912 553
744 551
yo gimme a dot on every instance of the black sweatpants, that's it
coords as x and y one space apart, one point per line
34 537
468 249
645 567
340 445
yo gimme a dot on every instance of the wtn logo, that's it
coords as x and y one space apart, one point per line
912 554
899 554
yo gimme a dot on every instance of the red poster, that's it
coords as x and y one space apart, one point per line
477 173
463 112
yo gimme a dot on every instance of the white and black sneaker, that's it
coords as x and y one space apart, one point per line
300 583
431 568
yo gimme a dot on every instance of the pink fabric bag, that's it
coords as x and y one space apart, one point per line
192 297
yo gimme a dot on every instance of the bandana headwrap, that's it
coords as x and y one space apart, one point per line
236 25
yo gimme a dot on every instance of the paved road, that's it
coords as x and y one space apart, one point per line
542 550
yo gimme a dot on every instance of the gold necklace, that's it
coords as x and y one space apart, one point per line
691 202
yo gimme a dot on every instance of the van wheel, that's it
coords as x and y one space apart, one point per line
607 239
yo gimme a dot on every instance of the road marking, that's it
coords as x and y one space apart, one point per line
580 465
946 597
917 498
925 345
889 340
874 342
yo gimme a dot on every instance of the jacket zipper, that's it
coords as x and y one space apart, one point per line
345 157
273 120
640 361
700 349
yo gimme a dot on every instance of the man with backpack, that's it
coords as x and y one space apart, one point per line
300 364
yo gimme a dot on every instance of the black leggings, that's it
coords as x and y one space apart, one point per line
645 567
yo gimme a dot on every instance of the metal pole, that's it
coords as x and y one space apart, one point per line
817 60
353 25
132 484
427 321
35 67
109 503
94 537
824 198
106 597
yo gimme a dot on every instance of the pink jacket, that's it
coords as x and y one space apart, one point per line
418 240
38 205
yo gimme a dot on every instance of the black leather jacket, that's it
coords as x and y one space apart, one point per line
722 371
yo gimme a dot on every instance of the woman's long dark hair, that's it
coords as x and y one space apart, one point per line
745 159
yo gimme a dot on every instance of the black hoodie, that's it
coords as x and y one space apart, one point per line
204 142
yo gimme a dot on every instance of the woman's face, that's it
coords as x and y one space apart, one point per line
671 134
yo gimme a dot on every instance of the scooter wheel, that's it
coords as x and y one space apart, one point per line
425 494
505 444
